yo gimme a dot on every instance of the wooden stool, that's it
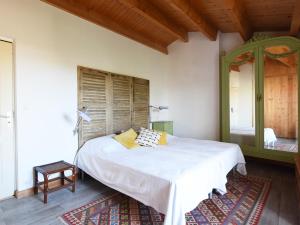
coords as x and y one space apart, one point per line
52 168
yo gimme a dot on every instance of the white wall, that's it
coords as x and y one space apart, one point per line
230 41
194 87
49 45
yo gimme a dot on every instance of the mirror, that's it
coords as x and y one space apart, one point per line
242 99
280 99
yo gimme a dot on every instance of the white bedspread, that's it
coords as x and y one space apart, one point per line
173 179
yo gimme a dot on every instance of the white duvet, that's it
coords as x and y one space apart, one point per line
173 178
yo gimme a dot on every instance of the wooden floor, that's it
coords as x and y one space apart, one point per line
281 208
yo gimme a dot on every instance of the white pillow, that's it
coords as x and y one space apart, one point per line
148 138
104 144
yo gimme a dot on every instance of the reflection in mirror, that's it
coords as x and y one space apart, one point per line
242 100
280 99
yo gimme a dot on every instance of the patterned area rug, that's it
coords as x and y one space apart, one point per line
243 204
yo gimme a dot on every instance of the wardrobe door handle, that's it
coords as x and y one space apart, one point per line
259 97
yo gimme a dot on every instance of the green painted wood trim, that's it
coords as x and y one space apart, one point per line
166 126
220 92
259 125
269 154
258 49
292 42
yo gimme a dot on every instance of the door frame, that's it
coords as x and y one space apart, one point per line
15 152
256 45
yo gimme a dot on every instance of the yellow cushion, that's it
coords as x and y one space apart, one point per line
163 139
127 139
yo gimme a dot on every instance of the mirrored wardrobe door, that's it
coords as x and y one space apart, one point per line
242 100
280 104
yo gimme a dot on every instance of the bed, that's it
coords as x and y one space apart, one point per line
246 135
173 179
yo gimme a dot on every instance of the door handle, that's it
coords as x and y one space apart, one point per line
8 117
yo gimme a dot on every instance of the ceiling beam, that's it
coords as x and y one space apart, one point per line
238 15
91 15
185 8
147 10
295 23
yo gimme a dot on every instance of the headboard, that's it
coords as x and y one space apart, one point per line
115 102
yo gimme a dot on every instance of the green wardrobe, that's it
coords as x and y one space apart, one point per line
259 97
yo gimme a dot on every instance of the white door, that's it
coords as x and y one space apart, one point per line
7 153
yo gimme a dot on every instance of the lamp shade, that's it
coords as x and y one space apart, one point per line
159 107
84 116
163 107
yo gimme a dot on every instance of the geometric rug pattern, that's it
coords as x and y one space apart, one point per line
242 204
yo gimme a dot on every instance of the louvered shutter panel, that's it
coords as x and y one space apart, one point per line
93 94
121 102
140 112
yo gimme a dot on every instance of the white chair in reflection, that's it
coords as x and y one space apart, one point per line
269 137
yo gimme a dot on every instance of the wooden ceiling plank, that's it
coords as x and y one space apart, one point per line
238 15
187 10
295 23
149 11
89 14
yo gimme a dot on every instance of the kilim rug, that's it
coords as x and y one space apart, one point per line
243 204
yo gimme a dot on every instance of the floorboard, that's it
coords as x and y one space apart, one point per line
281 206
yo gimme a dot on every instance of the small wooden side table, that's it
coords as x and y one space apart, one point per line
52 168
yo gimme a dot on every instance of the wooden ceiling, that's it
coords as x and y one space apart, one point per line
158 23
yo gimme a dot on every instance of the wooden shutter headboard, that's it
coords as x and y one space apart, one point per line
93 94
121 102
115 102
140 113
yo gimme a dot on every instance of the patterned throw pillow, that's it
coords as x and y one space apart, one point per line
148 138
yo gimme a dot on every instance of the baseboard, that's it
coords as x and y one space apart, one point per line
30 191
25 193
